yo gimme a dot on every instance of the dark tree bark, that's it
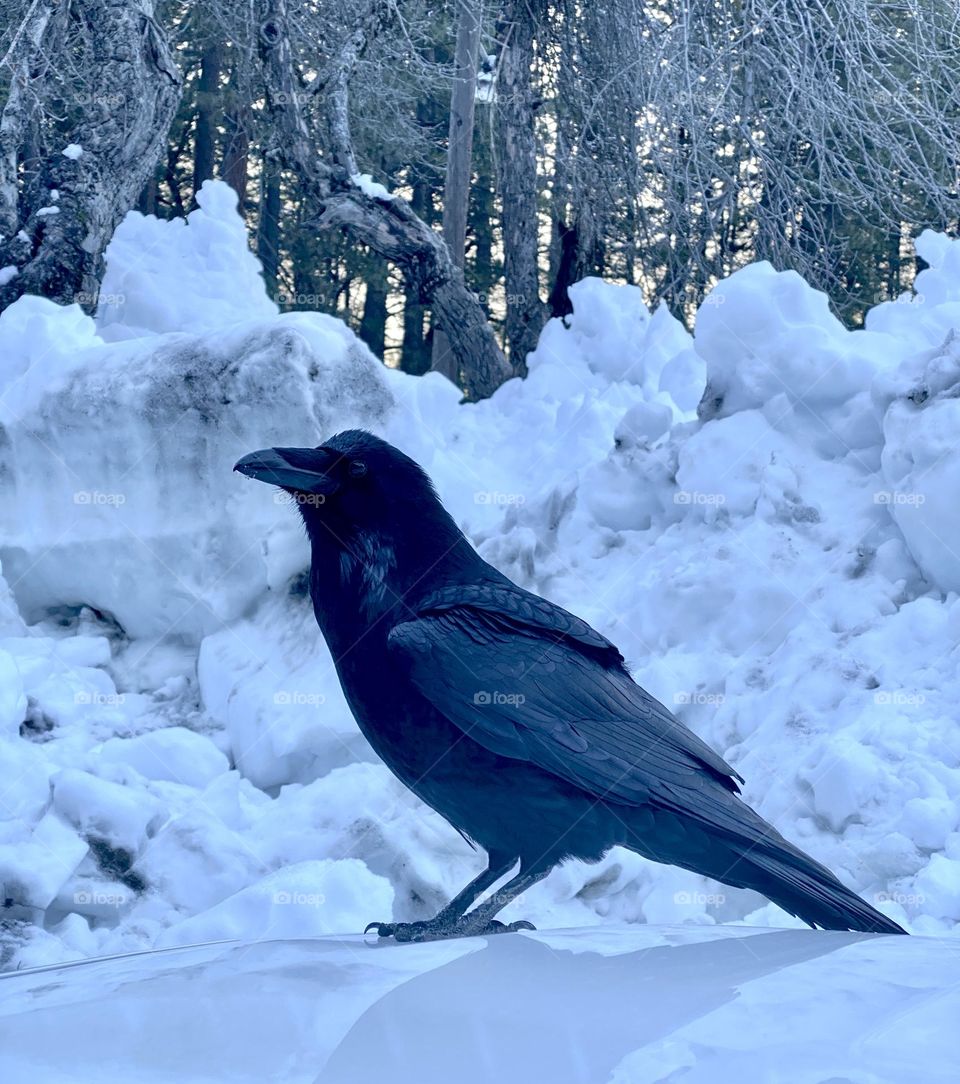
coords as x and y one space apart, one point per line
387 224
517 179
268 233
238 124
456 190
415 353
236 152
208 117
57 247
373 323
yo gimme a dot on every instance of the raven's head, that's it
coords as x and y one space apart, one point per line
366 501
353 479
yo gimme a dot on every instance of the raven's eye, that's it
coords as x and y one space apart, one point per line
357 468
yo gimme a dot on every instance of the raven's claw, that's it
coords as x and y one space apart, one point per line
384 929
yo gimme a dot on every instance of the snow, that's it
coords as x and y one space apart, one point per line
175 750
570 1007
369 187
72 151
8 274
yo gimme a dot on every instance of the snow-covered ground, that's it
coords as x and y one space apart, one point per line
697 1005
176 760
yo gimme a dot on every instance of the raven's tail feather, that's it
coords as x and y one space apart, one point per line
750 853
811 892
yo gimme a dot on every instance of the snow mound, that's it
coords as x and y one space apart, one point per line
172 274
121 470
175 749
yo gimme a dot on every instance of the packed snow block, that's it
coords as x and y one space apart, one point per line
11 623
36 862
926 315
304 900
272 683
611 334
173 754
768 336
168 274
121 817
13 702
921 459
121 467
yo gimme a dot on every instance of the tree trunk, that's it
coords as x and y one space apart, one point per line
236 153
385 223
128 62
373 323
238 124
415 353
517 180
456 190
268 232
208 116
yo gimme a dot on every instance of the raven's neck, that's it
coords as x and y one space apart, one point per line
365 583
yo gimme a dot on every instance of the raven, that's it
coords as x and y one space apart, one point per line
514 719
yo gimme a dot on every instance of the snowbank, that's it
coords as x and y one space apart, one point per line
118 455
779 570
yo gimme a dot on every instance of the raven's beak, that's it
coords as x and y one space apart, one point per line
300 469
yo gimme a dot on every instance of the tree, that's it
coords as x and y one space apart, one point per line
456 190
92 93
385 223
517 179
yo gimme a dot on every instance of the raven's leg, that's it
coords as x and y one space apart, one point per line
481 919
445 922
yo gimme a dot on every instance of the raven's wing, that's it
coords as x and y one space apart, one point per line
530 681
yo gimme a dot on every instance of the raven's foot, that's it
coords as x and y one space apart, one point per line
431 930
412 931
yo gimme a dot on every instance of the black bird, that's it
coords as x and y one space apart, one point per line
511 717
